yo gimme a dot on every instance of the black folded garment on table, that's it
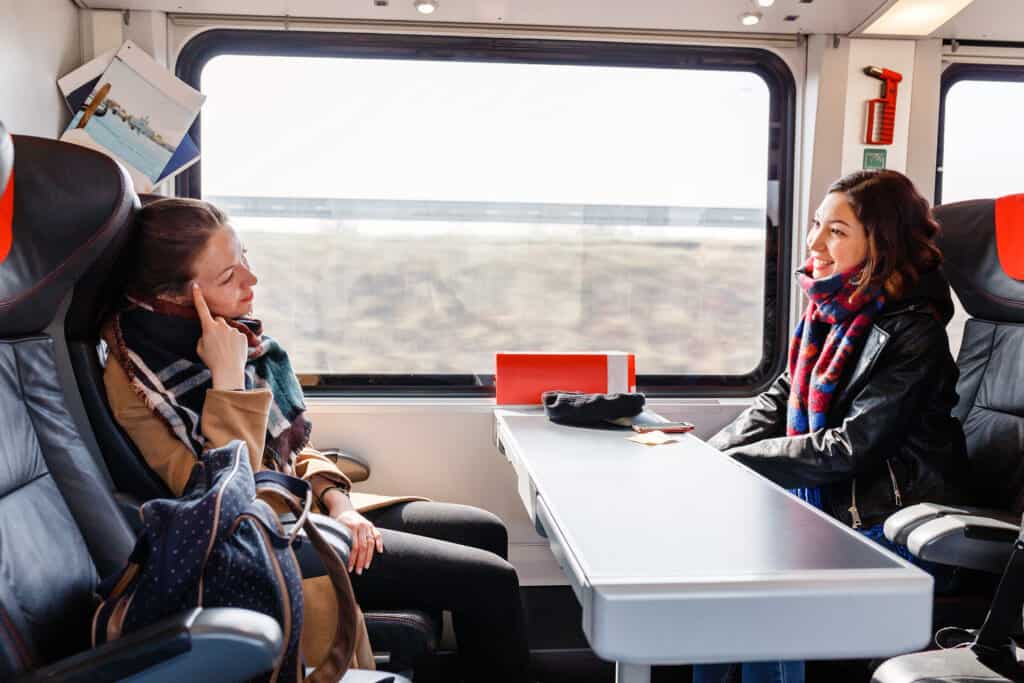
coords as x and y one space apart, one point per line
575 408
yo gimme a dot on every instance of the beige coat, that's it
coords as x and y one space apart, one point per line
229 415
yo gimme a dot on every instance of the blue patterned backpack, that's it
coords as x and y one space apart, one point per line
222 545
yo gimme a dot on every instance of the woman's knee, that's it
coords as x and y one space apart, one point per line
462 524
488 532
494 585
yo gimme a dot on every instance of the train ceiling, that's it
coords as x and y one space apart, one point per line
982 19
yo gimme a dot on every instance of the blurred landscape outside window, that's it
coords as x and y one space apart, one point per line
416 216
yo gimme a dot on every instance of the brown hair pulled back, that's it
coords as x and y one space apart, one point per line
169 234
900 229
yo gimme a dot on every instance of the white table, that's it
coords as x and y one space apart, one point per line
678 555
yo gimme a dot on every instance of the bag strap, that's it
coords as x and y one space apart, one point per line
293 485
297 495
288 489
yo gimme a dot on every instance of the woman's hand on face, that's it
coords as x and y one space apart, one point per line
366 540
223 348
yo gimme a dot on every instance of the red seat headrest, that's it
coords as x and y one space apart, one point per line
1010 234
6 191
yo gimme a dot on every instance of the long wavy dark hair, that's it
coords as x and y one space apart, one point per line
900 229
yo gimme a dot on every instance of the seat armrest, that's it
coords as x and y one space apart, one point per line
355 467
402 638
363 676
969 541
213 644
899 525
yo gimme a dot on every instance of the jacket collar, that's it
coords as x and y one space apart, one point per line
930 295
873 344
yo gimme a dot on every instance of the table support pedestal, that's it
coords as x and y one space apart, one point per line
632 673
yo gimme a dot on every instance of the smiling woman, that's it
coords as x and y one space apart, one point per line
870 386
860 424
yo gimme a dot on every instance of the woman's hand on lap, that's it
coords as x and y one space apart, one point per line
366 540
223 348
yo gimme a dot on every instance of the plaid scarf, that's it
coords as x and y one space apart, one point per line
155 343
831 332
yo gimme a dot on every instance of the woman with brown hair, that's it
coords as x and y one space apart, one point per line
189 369
861 423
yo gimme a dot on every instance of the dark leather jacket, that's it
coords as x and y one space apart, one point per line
891 440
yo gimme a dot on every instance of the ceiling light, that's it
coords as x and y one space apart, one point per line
765 3
425 6
915 17
750 18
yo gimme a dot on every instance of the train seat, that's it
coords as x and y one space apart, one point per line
983 244
73 209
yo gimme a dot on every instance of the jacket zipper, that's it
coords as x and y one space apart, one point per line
895 485
854 513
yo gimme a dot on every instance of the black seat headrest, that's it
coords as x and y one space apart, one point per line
982 242
99 288
71 204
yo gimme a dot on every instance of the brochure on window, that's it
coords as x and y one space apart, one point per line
79 84
136 112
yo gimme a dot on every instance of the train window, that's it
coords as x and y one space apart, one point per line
412 205
978 161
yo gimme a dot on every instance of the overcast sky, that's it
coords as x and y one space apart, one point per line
392 129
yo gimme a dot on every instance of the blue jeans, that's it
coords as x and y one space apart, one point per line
752 672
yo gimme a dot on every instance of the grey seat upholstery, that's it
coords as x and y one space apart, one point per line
983 244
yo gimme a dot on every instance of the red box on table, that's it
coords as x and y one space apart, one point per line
521 377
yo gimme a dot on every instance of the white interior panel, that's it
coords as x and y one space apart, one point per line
986 20
39 42
821 16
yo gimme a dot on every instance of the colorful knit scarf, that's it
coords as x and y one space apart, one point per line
155 342
831 332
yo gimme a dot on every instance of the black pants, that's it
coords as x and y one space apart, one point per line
441 556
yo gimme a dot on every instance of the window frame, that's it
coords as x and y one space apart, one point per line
203 47
966 71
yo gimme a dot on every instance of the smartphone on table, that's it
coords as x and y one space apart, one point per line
666 427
